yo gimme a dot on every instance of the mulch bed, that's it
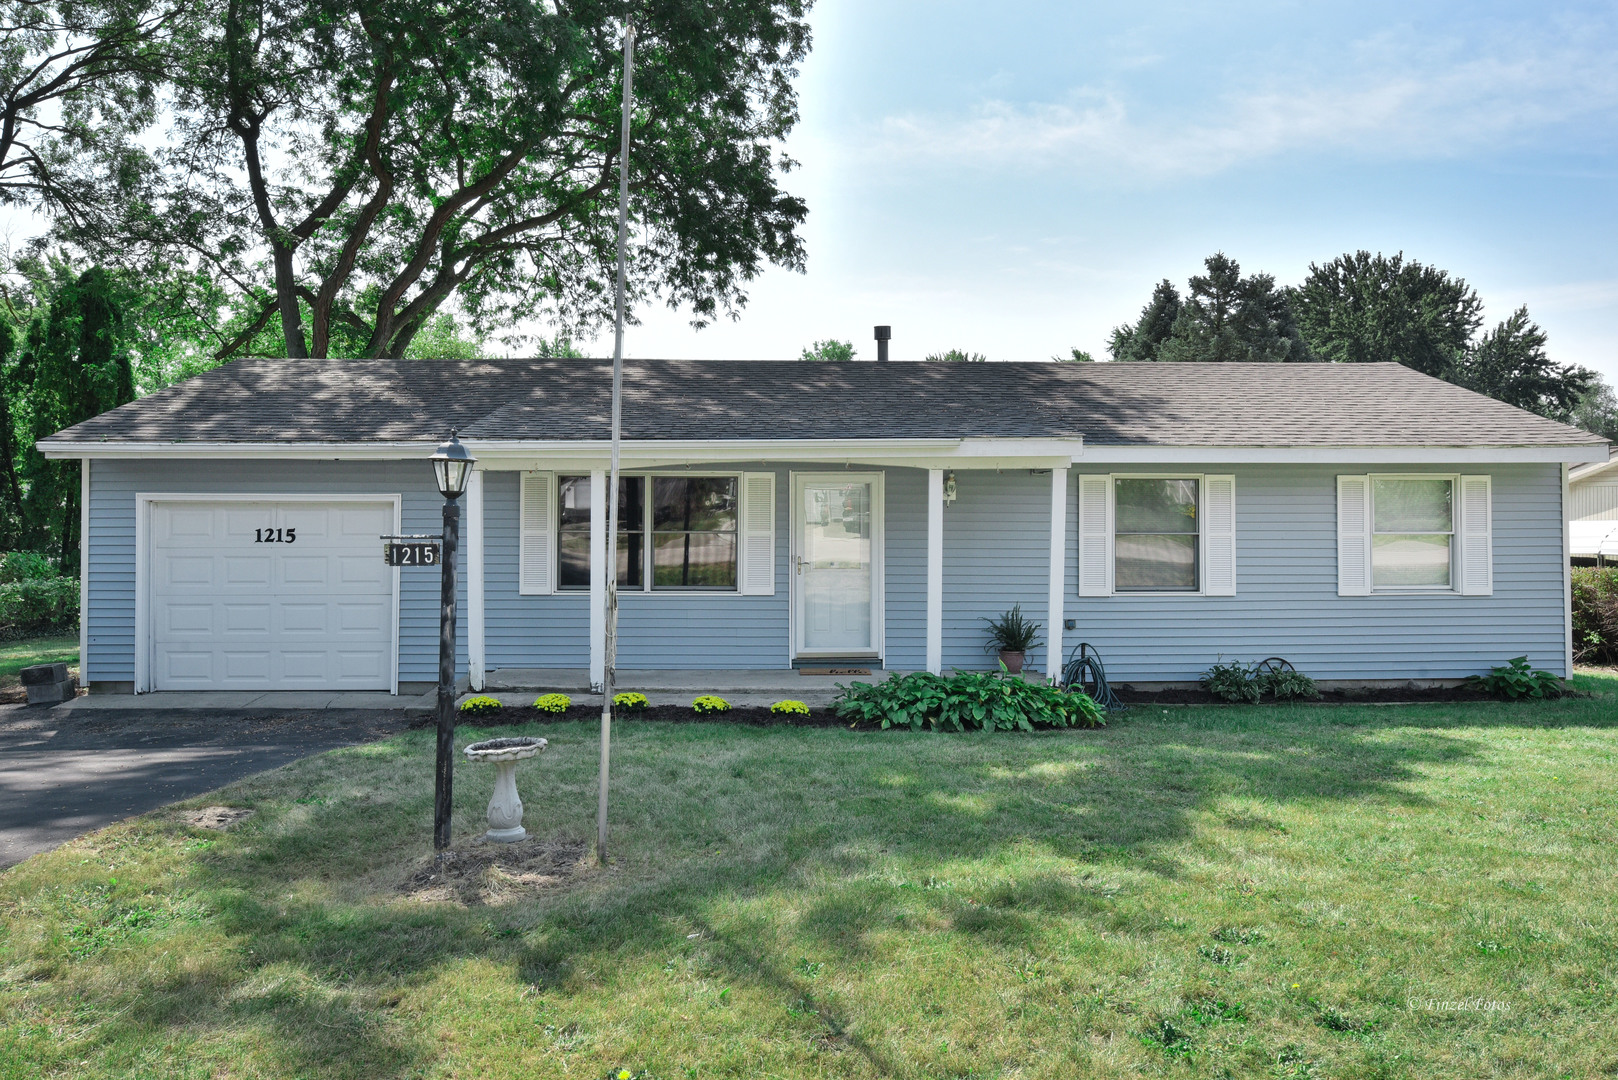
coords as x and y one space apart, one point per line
755 715
1386 695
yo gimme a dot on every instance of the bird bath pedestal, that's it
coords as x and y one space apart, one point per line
505 808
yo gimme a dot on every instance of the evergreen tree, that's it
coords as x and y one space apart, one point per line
1509 364
958 356
1225 317
1142 340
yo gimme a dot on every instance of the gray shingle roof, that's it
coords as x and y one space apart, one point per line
1348 405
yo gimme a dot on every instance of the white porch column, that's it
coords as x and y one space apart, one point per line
598 576
1055 614
474 578
935 571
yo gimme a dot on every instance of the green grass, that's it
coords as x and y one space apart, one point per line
1247 892
16 655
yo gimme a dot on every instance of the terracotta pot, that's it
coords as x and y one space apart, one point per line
1013 660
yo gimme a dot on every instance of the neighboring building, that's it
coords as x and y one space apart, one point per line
1362 520
1592 510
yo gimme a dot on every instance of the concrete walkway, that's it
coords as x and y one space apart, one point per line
214 700
739 686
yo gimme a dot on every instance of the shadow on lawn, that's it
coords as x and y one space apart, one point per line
832 808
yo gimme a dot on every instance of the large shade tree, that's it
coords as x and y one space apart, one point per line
343 170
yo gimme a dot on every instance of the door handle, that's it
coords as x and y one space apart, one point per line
800 564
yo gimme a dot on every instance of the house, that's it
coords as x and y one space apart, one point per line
1592 511
1364 521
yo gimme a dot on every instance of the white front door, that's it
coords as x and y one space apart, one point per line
837 565
278 594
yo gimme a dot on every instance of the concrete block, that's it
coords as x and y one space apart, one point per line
52 693
44 673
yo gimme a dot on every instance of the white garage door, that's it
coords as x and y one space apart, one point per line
273 595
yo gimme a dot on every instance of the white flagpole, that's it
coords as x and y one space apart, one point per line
610 652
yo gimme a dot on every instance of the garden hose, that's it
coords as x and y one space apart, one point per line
1085 670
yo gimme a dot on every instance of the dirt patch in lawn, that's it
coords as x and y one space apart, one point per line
485 874
216 817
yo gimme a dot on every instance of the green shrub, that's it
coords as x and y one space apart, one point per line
553 703
37 605
1284 684
629 702
1235 682
710 703
1518 679
482 705
18 566
790 708
1595 615
965 701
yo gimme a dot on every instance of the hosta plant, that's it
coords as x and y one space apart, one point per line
965 701
553 703
1519 679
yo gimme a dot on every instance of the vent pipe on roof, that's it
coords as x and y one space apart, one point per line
883 333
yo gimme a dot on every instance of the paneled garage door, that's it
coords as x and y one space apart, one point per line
272 595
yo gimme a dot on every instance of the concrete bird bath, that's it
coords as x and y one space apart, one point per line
505 808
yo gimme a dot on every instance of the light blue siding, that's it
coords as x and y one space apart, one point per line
656 630
995 541
114 484
1286 601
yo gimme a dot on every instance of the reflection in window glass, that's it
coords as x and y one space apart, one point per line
1413 524
694 532
1155 535
573 532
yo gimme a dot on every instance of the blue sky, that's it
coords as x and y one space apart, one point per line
1012 178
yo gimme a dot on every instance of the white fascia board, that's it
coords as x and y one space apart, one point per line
1338 455
391 451
912 453
1593 470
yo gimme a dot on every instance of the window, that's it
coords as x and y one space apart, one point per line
694 532
1155 537
693 527
1412 532
573 532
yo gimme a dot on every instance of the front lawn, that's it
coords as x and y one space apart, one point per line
1270 892
26 652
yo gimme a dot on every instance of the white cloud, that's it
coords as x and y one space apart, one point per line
1388 95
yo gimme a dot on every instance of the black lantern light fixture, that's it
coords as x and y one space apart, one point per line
452 465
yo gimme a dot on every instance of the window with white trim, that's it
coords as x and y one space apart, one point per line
1412 532
1415 532
1155 535
692 521
1144 533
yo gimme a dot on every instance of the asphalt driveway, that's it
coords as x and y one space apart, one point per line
63 774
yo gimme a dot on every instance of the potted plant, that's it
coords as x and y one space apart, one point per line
1012 636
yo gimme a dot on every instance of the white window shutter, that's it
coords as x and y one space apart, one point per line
1353 536
756 559
536 573
1476 547
1095 535
1219 535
